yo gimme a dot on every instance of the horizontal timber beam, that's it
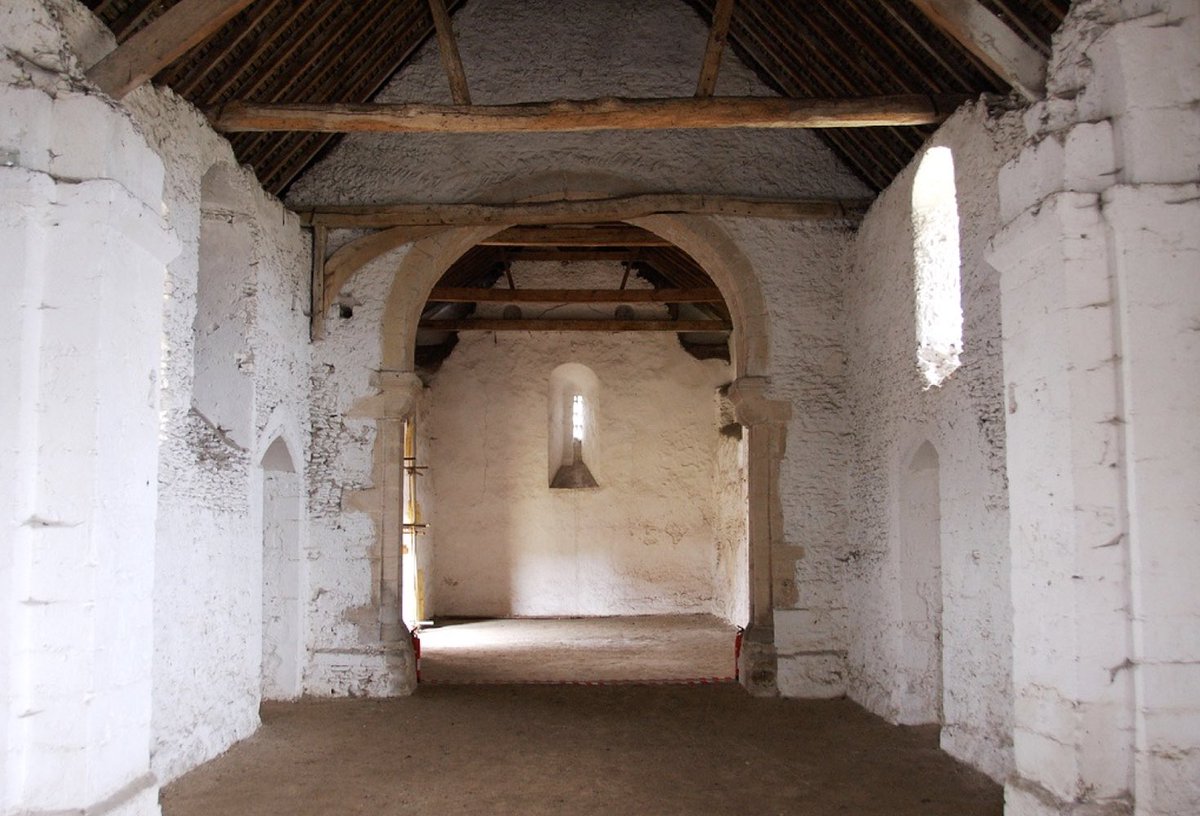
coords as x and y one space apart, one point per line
580 211
180 29
574 116
537 324
620 236
447 294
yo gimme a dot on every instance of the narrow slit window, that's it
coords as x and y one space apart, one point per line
936 260
573 394
577 418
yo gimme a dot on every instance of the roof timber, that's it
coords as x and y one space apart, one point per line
583 324
169 37
574 116
717 35
448 49
311 52
987 36
578 211
460 294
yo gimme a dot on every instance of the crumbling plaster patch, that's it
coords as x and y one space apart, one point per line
892 412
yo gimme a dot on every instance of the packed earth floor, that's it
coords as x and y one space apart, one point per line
570 749
503 724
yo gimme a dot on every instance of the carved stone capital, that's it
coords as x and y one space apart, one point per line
400 390
752 406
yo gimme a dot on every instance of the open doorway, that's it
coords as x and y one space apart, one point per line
587 482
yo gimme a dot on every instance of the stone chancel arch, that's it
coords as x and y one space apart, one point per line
765 419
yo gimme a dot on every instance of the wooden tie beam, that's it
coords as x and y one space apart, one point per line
450 294
544 324
580 211
578 116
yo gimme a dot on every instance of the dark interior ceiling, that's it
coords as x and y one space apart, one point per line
321 51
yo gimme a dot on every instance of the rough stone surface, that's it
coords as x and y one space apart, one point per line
893 412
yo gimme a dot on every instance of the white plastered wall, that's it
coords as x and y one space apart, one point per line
797 266
86 248
1098 261
207 551
893 412
643 541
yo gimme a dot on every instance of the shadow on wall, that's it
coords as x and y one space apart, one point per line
920 685
282 635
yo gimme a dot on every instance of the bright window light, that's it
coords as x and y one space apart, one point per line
577 417
937 260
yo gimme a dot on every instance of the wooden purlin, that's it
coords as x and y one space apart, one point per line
849 146
862 154
295 79
313 144
340 84
185 75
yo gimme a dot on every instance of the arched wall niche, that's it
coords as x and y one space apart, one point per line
920 596
222 393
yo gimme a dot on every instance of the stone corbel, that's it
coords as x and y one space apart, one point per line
765 420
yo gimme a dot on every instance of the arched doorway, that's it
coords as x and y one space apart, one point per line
761 419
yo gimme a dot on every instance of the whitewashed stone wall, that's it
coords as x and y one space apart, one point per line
208 607
206 563
1098 265
86 248
798 266
643 541
893 412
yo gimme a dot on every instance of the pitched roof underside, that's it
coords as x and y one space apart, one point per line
322 51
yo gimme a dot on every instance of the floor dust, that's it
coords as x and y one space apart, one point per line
562 749
532 650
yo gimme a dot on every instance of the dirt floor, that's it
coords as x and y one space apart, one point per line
562 749
538 650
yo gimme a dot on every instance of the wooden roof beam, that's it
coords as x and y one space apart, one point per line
986 36
180 29
717 36
588 115
546 324
619 236
580 211
448 49
451 294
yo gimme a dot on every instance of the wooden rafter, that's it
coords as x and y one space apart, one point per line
717 35
621 236
576 116
180 29
448 49
582 211
546 324
986 36
452 294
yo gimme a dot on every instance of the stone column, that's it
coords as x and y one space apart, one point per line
765 421
78 490
1098 270
401 390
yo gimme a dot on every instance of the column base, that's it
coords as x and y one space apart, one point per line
1023 797
758 664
